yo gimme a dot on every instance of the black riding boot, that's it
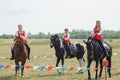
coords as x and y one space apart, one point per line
68 52
103 48
12 57
28 48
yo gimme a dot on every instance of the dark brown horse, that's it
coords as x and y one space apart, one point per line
20 54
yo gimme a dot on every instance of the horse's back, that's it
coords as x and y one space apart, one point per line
80 50
107 46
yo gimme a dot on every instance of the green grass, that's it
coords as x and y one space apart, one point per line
40 47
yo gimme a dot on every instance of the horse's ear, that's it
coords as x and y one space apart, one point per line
84 41
51 35
56 36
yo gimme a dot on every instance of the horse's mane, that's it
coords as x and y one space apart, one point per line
19 42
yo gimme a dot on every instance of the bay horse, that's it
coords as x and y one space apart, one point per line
60 51
20 54
95 52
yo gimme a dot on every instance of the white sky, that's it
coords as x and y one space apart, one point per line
55 15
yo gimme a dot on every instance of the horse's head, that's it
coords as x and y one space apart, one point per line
18 41
88 43
54 41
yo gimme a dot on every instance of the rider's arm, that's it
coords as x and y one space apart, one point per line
25 34
66 37
16 34
101 30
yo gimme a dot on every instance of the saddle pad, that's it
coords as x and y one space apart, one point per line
73 48
106 45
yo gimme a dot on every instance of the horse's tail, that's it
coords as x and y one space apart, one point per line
84 53
84 59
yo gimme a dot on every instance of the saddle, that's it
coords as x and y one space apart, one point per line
73 48
106 45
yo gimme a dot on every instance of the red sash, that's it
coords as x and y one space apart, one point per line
98 37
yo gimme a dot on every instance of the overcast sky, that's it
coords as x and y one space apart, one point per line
55 15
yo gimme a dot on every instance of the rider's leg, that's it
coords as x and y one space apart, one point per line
66 47
28 48
103 48
69 51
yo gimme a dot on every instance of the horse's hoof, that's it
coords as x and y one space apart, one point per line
81 72
59 73
89 78
96 79
22 76
100 76
62 73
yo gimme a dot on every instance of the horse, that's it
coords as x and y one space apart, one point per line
95 52
60 51
20 54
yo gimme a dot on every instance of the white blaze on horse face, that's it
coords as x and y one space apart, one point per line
51 44
61 44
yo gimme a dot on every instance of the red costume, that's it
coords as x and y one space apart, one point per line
97 35
22 35
66 38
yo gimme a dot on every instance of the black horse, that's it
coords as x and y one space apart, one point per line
95 52
60 51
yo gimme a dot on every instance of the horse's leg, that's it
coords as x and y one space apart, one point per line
88 66
62 64
58 60
16 67
101 67
23 63
96 76
109 66
81 64
62 61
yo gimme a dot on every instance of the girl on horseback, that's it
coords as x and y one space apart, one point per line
21 33
66 36
97 35
67 42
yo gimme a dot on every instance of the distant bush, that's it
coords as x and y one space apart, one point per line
74 34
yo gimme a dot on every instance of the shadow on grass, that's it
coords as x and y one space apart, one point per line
116 74
12 77
49 75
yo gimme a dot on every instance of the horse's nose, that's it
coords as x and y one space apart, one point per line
51 45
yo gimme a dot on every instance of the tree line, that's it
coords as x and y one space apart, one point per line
74 34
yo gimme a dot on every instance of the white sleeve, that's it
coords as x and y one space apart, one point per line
101 30
16 34
67 37
25 34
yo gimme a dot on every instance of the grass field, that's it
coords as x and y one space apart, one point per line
40 47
